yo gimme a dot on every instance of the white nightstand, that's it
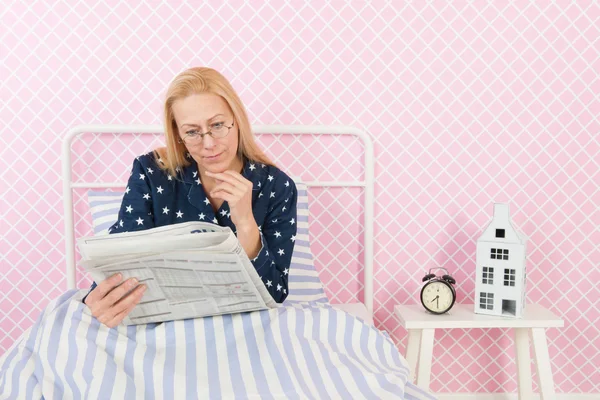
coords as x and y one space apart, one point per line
421 326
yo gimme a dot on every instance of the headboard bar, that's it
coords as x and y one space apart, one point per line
368 183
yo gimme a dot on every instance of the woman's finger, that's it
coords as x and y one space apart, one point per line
229 188
238 177
125 308
228 197
226 177
116 320
131 299
110 299
102 289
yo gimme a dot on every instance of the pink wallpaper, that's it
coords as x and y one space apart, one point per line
467 104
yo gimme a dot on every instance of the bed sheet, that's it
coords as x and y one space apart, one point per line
297 351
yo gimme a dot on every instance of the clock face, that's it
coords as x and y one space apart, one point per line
437 297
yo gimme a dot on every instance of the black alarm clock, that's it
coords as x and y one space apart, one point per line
438 294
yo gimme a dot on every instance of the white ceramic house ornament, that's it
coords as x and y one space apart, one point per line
500 267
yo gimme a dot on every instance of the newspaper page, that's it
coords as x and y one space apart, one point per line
191 270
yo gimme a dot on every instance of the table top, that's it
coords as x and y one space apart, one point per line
414 316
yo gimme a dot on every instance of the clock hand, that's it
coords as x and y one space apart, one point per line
435 298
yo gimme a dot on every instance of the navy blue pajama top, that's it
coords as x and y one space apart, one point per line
154 198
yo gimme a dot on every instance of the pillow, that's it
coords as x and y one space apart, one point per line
303 279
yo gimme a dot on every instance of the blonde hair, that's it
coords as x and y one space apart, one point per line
204 80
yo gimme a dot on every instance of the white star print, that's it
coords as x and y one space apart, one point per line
198 181
293 238
284 291
129 209
140 221
259 184
270 178
150 171
195 173
228 215
292 221
165 210
127 190
279 287
260 194
147 196
170 177
223 212
263 165
252 167
142 177
160 189
285 271
206 201
266 252
201 215
179 214
274 220
188 155
277 234
272 194
269 283
215 220
281 252
283 209
121 223
287 183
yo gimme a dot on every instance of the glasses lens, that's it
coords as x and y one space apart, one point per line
219 131
192 139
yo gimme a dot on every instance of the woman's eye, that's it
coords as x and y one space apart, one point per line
218 125
191 132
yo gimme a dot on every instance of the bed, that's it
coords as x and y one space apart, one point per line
309 348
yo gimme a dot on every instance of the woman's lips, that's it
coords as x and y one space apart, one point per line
213 157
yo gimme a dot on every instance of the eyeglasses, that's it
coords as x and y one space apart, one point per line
218 131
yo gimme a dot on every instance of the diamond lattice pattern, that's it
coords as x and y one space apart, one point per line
467 104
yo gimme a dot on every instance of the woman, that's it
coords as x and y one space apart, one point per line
211 170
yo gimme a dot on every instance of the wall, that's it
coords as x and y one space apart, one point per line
467 104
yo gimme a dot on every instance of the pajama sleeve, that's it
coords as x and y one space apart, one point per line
277 235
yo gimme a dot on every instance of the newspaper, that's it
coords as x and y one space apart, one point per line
192 269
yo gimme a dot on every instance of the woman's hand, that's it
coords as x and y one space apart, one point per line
107 303
237 191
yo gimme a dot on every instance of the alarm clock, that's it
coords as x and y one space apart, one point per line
438 294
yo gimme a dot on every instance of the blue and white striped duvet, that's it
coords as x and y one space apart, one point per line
296 351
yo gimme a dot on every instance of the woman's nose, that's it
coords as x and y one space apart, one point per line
208 142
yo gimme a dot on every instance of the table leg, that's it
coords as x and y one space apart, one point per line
424 373
412 351
542 363
523 363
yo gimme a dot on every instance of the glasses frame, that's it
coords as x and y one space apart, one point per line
187 135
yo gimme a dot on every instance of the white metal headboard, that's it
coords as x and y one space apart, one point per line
368 184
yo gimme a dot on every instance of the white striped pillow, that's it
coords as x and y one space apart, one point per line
304 282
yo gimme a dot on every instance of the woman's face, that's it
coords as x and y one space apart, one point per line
200 113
